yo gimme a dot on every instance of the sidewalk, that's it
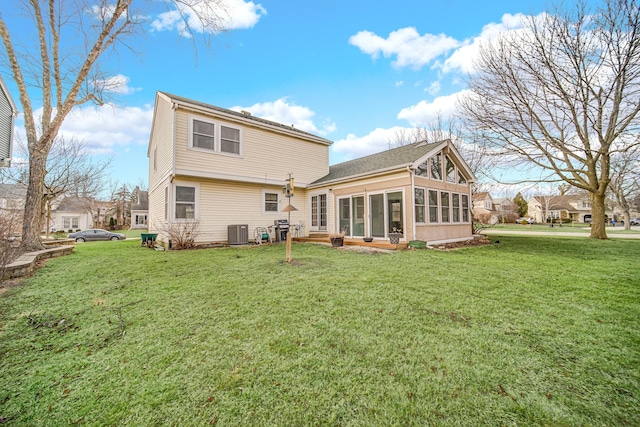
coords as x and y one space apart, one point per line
497 231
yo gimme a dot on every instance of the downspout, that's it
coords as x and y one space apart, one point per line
413 209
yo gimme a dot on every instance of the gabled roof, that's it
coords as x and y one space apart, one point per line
389 160
246 117
74 204
143 202
13 191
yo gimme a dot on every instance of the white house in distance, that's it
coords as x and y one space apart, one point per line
222 167
8 113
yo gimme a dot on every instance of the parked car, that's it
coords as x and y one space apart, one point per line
95 234
634 221
523 219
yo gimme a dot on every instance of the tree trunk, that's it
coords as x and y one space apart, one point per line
32 221
598 220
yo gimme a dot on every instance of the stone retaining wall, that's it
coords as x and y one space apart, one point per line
25 264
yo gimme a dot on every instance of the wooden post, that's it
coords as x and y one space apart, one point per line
289 246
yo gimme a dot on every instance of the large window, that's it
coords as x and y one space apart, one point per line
271 202
357 206
423 170
344 208
451 170
444 207
465 208
185 202
436 167
455 207
433 206
420 205
215 137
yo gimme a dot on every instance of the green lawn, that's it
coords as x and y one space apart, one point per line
528 331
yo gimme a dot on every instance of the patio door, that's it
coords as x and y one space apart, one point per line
357 206
376 209
394 209
319 212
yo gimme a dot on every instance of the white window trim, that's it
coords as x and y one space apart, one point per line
264 195
172 206
425 205
438 213
319 227
216 137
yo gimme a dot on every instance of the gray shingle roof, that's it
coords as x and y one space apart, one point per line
396 157
13 191
245 116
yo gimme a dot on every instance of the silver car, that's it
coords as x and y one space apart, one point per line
95 234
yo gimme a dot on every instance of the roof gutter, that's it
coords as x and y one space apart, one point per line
384 171
248 121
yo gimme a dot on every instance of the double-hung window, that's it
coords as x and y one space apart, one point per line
185 202
444 205
455 206
204 135
271 202
215 137
433 206
465 208
229 140
419 202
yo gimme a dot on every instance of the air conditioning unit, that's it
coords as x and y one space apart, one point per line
238 234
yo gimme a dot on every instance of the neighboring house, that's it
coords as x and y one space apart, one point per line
483 209
507 209
72 213
221 167
573 207
140 211
8 113
12 198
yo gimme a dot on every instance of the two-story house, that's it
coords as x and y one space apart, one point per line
571 207
8 113
221 167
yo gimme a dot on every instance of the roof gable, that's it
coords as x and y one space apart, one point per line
245 117
393 159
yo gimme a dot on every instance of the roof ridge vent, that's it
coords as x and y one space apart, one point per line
246 113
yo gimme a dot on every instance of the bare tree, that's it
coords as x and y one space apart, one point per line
69 171
64 69
625 181
563 94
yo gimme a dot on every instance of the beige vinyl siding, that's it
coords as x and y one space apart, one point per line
224 203
156 208
265 155
161 145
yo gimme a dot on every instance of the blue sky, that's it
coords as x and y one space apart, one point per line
353 72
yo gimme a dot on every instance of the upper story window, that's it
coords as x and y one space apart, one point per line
461 178
212 136
451 170
230 140
203 134
436 166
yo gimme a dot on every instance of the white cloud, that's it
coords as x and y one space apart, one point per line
462 59
282 111
433 89
353 147
104 129
399 83
117 84
425 112
410 48
210 17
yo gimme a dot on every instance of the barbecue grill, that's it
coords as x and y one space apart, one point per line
281 227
